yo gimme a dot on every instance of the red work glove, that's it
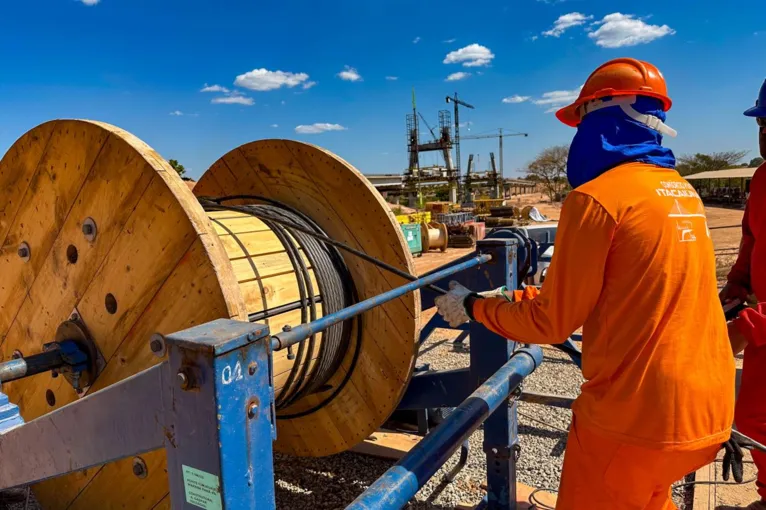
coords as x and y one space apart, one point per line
751 322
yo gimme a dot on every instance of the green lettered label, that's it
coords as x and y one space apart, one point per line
202 489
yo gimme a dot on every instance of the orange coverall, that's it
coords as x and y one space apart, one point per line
633 265
749 272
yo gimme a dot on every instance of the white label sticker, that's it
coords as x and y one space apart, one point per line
203 489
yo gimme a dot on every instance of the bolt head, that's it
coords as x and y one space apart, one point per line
251 368
183 380
23 252
287 328
155 345
87 229
252 410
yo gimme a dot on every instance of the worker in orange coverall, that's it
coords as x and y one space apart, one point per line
634 266
748 276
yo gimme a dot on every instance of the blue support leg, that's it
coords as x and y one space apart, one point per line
488 353
220 454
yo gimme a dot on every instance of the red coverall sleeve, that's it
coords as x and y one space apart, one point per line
572 286
740 272
751 322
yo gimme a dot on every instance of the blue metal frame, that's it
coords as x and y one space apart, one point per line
211 406
215 422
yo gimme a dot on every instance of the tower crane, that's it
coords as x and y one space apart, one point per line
500 136
458 102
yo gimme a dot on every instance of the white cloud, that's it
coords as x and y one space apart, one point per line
618 30
565 21
535 37
473 55
557 98
416 40
308 85
392 78
466 124
214 88
457 76
449 41
233 99
349 74
319 127
263 80
90 2
275 125
516 99
176 113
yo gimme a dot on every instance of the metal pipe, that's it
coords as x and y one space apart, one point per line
400 483
30 365
302 332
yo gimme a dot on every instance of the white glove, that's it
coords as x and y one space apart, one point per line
451 305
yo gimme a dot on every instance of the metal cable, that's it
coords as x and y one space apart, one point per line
301 237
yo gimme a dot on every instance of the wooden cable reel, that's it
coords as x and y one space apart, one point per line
434 236
158 263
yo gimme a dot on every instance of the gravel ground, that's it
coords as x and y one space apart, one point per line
333 482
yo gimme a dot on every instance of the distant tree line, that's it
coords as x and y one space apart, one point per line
550 165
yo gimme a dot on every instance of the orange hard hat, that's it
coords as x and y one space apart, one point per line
618 77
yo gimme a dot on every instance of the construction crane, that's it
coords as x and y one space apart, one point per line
428 126
499 135
458 102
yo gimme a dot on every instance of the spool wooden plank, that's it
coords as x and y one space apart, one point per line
340 200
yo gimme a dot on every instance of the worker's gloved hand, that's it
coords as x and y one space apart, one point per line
732 291
500 292
732 460
451 305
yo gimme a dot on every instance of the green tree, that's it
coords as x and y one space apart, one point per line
755 162
549 168
705 162
178 167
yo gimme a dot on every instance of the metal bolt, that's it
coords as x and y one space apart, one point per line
290 353
89 229
24 252
287 328
183 380
157 345
251 337
54 373
251 368
139 467
17 354
252 410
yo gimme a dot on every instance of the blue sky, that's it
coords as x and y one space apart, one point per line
142 65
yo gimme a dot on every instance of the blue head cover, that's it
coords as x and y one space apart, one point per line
759 110
607 138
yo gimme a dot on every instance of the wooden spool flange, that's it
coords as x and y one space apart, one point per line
156 264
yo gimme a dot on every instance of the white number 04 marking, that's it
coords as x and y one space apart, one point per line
228 375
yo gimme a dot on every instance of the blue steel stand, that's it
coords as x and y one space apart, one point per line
210 406
488 354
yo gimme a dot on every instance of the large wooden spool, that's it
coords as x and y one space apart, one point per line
160 263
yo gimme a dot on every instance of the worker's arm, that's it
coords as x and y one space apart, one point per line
572 286
739 276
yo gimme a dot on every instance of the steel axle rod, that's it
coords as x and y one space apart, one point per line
400 483
31 365
297 334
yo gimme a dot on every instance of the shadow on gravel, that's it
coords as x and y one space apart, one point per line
330 483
